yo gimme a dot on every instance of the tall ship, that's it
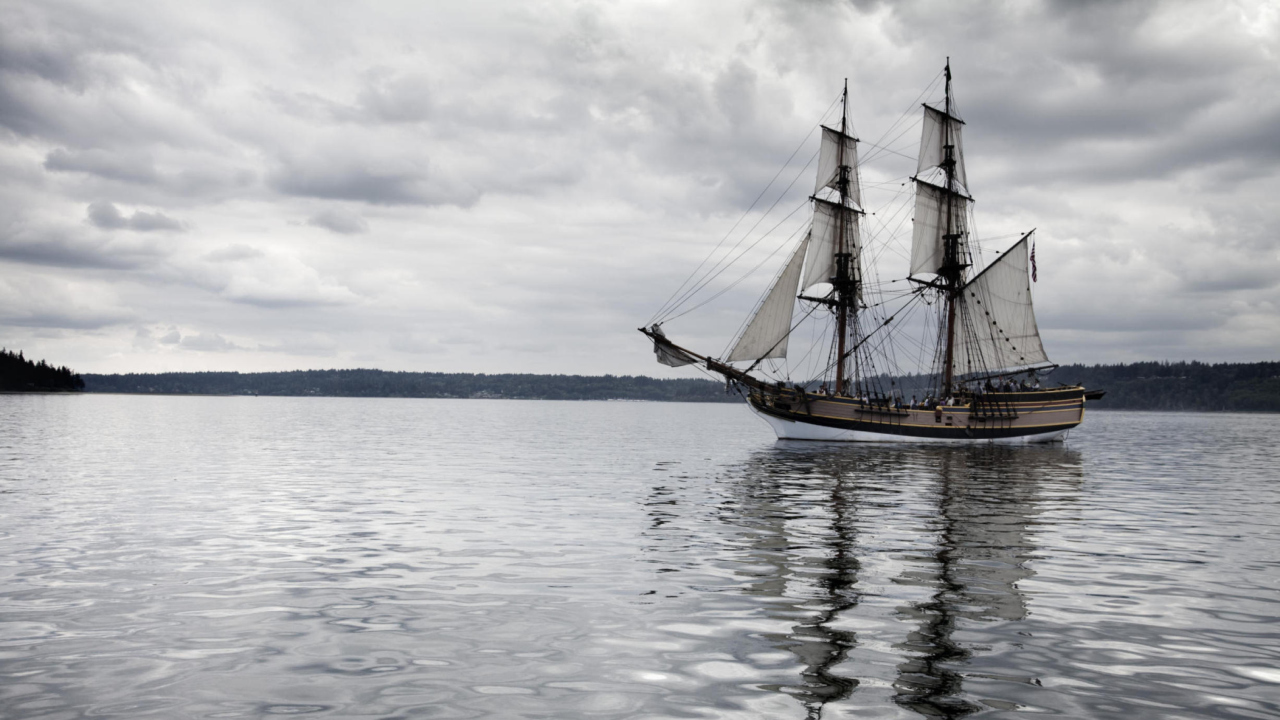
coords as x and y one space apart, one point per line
948 351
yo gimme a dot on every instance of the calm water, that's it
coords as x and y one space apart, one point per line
179 557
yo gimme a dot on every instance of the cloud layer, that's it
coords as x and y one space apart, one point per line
515 187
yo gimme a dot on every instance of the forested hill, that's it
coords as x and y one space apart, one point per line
1179 385
18 374
380 383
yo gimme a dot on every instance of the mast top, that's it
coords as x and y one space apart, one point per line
844 109
947 70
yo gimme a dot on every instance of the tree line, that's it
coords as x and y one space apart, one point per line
381 383
18 374
1248 387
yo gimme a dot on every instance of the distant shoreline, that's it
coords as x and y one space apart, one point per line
381 383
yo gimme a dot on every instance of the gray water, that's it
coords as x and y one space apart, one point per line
197 557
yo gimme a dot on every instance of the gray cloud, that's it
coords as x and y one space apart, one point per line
232 253
146 222
45 302
65 321
380 181
305 345
108 217
114 166
86 320
69 248
207 342
415 344
340 221
403 99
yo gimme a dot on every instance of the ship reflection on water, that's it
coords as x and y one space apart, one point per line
886 562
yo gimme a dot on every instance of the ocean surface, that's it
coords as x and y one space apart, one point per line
241 557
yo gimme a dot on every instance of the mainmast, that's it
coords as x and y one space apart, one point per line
986 324
953 264
845 283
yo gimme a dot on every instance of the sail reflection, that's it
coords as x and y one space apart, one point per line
956 525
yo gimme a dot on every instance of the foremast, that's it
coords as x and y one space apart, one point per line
828 256
835 233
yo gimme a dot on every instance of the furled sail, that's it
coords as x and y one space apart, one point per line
941 130
825 237
997 328
667 353
766 334
928 239
830 161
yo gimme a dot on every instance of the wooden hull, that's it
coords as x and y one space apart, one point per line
1014 417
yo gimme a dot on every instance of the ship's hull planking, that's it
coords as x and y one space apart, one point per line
1032 416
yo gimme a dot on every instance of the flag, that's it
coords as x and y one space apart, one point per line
1033 262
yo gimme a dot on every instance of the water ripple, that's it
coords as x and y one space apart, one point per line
247 557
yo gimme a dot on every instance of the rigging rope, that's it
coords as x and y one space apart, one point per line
664 307
717 270
745 275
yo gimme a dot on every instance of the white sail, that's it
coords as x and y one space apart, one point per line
766 334
820 267
940 127
997 325
928 244
825 236
672 357
830 161
668 354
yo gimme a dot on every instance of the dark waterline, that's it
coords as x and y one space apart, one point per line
195 557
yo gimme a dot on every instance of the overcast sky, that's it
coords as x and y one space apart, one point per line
515 187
